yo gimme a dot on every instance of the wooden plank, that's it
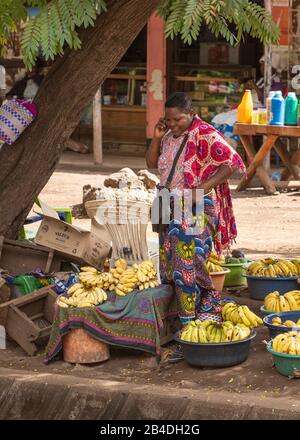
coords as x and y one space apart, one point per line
254 129
97 129
204 79
27 324
261 172
122 108
286 159
15 330
127 76
264 178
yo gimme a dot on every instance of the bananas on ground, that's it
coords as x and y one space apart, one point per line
240 315
82 296
277 321
271 267
274 302
288 343
212 331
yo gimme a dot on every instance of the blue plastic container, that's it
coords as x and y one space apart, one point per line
291 109
286 364
277 109
215 355
259 287
275 330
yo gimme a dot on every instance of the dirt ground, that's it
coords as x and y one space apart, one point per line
267 225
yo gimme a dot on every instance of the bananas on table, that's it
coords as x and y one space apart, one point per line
139 276
212 331
214 262
240 315
274 302
288 323
270 267
288 343
81 296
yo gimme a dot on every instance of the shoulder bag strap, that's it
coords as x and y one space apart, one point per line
170 177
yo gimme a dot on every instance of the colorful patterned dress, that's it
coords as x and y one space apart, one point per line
182 254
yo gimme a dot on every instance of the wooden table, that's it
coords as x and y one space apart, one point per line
272 139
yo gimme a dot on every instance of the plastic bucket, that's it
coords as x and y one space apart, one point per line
236 275
286 364
218 279
275 330
215 355
81 348
259 287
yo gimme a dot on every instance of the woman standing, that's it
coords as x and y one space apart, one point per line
206 162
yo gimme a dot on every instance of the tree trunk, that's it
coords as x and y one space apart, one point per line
70 85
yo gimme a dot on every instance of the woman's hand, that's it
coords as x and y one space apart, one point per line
160 129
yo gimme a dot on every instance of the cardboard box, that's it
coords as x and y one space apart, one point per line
69 240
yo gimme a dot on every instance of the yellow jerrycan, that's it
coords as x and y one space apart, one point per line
245 109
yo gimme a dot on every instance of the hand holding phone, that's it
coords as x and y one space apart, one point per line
160 128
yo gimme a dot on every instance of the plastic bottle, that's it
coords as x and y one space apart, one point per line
277 109
262 115
268 106
291 109
245 109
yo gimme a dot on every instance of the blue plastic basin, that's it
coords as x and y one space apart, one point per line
259 287
275 330
215 355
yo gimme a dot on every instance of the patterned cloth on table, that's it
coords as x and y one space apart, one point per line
182 254
132 321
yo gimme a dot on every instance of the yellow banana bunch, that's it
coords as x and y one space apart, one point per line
89 276
146 274
81 296
274 302
270 267
240 315
216 259
213 267
277 321
288 343
215 332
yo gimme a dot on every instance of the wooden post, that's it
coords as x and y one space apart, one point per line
97 129
156 72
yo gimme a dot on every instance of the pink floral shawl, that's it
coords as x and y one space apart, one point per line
206 149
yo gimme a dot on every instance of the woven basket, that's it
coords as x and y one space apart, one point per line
15 116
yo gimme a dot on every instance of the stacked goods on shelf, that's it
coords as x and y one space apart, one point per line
274 268
274 302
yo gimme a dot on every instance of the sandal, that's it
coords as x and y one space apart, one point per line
176 355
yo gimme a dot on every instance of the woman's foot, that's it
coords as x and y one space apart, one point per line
176 355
